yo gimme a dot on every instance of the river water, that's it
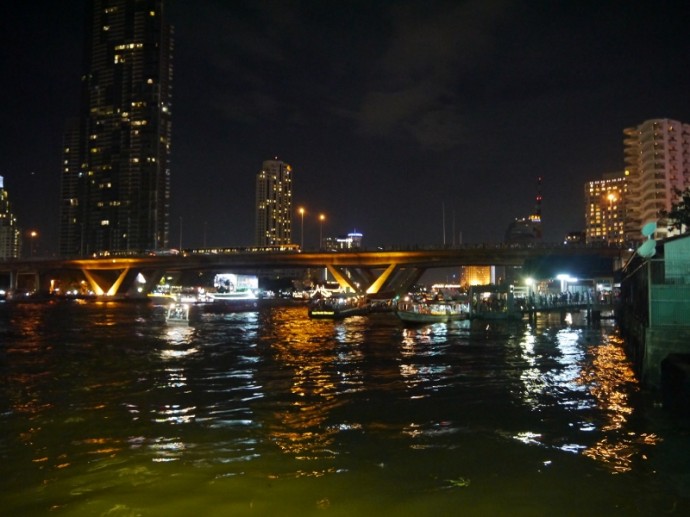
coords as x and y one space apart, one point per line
106 410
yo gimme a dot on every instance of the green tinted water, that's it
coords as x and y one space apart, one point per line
107 411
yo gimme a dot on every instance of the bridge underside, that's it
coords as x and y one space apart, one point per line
132 281
395 279
128 281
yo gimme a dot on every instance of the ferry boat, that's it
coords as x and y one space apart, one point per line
242 300
437 311
178 314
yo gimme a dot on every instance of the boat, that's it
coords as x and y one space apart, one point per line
241 300
494 303
178 314
338 307
435 311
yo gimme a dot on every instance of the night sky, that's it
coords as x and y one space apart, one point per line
392 114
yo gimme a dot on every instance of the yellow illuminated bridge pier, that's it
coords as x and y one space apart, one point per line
370 272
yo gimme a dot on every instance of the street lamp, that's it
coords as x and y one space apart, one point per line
322 218
33 234
301 213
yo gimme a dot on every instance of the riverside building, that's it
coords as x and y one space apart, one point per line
657 162
274 204
115 189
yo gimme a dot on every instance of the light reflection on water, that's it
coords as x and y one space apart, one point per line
106 410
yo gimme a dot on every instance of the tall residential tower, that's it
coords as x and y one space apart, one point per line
10 241
274 204
657 161
116 175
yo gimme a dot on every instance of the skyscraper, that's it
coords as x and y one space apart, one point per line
274 204
605 201
657 161
116 175
9 231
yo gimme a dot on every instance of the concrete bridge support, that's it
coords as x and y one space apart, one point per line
393 278
111 282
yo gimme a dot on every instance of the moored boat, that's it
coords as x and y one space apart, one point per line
338 307
431 311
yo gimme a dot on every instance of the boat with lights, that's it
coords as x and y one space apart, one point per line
435 311
338 307
241 300
177 314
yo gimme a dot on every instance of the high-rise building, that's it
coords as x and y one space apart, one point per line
657 162
274 204
10 240
605 202
116 173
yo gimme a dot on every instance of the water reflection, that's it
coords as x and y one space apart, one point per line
582 370
272 413
609 378
422 375
319 365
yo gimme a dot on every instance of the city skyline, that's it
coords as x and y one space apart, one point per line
387 112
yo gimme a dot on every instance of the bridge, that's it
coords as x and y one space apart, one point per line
364 271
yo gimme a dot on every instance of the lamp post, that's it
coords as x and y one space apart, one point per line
301 213
33 234
322 218
180 234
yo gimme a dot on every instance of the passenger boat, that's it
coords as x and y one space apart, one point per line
178 314
431 311
232 301
338 307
